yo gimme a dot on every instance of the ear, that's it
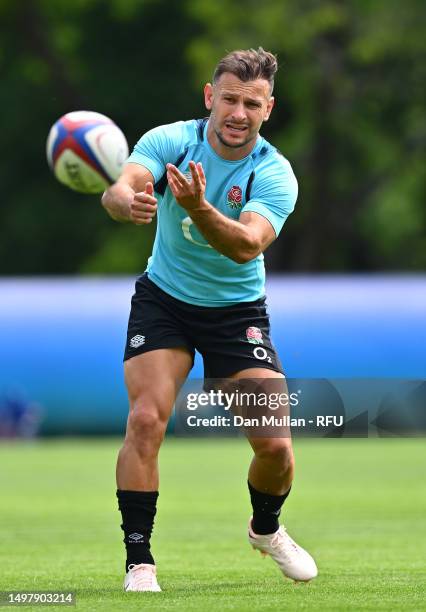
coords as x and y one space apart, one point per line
269 108
208 96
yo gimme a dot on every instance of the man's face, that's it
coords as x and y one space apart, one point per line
238 109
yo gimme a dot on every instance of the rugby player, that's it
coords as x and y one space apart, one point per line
222 194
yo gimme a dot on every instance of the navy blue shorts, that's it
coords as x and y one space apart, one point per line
229 338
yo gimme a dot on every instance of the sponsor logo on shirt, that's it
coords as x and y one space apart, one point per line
235 197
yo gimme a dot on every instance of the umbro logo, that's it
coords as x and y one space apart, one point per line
137 341
136 537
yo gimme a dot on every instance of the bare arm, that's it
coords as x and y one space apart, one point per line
241 240
131 198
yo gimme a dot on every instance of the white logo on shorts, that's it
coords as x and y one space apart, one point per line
137 341
136 537
260 353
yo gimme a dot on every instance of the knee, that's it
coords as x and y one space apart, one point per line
274 451
145 424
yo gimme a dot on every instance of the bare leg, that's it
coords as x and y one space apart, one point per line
153 380
272 467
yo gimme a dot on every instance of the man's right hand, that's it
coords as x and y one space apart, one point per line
143 208
131 198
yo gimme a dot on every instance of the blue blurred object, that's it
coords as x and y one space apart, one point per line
19 418
62 340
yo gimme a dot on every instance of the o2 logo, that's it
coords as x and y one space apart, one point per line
260 353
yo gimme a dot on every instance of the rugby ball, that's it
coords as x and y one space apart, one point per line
86 151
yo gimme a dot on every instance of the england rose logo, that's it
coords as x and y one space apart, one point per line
235 197
254 335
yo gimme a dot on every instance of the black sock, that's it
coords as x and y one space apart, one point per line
138 510
266 510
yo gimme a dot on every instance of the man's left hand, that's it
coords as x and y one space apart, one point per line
188 194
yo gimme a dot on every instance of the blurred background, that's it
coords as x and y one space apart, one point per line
350 117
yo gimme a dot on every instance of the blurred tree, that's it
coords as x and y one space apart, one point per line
118 57
349 116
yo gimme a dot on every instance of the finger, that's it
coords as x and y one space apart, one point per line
142 216
177 174
193 168
173 184
201 172
137 208
198 176
195 176
145 197
141 221
139 205
149 188
174 180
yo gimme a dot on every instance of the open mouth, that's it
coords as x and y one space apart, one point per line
237 129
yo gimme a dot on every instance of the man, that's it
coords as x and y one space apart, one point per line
224 195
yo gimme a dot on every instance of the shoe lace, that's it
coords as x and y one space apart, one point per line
283 543
141 575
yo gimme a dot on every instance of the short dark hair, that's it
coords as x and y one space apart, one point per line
248 65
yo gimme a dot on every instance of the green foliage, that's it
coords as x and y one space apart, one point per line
128 248
121 59
349 115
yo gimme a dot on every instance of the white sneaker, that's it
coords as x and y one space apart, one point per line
142 577
294 562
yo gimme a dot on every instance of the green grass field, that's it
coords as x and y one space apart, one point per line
359 506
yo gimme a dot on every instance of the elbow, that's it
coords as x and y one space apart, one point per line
247 253
241 258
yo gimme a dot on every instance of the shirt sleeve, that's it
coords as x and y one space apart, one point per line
158 147
274 192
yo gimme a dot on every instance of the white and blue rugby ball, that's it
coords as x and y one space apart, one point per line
86 151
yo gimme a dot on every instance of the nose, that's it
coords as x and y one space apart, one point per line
239 112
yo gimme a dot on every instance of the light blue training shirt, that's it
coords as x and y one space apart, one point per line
182 263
